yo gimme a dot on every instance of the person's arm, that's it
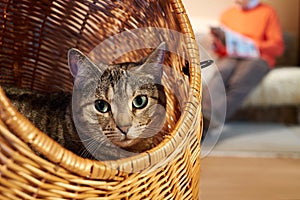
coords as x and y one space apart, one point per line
273 45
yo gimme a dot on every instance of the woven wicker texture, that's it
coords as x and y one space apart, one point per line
34 39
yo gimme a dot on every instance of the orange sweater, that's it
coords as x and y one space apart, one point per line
262 25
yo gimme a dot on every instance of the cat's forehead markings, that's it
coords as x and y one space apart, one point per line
129 90
110 94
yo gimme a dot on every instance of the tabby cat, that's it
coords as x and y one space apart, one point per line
115 110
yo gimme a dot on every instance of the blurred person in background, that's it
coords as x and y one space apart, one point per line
258 22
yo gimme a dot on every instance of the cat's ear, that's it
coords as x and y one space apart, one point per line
153 64
79 62
75 59
158 55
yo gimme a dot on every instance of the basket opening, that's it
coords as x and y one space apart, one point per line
53 112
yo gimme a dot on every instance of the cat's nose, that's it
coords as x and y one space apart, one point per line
123 122
124 129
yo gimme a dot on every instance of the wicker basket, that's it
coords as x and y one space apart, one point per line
34 39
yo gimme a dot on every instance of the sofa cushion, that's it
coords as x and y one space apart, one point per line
280 87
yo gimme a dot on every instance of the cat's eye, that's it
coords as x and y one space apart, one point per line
140 102
102 106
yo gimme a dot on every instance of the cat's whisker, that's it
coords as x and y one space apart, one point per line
88 139
96 149
153 132
88 149
84 152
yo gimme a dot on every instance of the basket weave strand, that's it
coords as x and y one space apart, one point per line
34 39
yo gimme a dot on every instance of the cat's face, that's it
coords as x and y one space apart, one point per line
125 102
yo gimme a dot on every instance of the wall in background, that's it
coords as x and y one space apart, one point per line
209 11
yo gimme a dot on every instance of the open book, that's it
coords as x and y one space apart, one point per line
237 45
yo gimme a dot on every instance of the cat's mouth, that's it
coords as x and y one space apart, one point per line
126 142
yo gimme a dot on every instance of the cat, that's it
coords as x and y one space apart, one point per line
115 110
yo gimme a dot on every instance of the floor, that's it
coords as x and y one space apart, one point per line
250 179
253 140
251 161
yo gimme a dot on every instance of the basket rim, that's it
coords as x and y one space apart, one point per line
109 169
